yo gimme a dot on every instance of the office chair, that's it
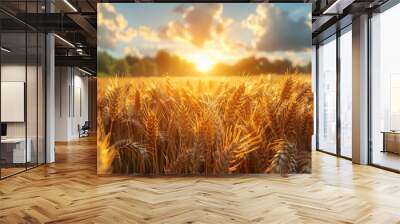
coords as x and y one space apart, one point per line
84 130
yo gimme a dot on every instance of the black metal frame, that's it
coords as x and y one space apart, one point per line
369 90
317 98
338 98
44 77
338 152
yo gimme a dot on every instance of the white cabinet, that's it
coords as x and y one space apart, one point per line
17 145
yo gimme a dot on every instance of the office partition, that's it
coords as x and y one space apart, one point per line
22 77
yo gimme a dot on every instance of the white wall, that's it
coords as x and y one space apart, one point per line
71 87
79 117
16 73
62 81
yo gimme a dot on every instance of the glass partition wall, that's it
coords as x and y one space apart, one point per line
22 78
327 95
334 105
334 93
385 89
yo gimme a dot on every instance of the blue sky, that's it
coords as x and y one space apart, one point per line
139 13
278 30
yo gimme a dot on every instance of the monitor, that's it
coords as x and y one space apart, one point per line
3 129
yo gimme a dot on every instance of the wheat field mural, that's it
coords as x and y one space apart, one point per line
204 89
205 126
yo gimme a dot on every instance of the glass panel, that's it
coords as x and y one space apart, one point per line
31 98
385 89
32 87
22 88
346 94
327 96
41 98
13 86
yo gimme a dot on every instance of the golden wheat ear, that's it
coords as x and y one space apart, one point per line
189 131
106 154
284 160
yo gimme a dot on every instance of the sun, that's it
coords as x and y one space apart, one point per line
203 62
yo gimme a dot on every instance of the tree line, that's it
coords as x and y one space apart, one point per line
164 63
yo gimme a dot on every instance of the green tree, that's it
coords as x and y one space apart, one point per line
120 67
164 61
151 67
131 60
104 62
145 67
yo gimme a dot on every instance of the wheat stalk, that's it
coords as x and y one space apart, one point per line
205 126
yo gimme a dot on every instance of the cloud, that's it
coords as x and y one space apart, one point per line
180 9
148 34
276 31
131 51
176 31
199 23
309 17
112 27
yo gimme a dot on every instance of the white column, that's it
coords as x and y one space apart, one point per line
360 89
62 103
50 99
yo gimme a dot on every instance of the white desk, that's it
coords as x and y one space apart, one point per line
18 150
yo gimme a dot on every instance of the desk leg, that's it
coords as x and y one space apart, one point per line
384 142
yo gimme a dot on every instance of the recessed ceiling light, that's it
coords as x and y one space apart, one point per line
70 5
64 40
337 7
86 72
5 50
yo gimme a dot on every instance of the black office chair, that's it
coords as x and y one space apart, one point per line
84 130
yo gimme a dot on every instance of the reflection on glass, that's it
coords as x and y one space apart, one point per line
394 102
386 89
346 94
15 151
31 101
41 99
22 90
327 96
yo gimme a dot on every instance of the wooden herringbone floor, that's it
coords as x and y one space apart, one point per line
70 192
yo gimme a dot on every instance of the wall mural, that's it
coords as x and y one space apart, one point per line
204 89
